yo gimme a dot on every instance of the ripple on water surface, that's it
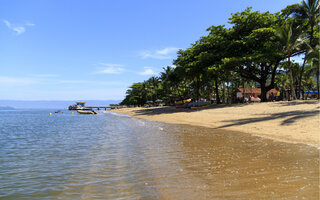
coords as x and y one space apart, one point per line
103 156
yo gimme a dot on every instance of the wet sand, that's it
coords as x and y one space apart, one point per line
202 163
293 121
218 158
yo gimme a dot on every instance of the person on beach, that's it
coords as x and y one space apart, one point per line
271 97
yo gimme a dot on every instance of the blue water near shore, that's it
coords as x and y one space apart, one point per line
111 156
60 156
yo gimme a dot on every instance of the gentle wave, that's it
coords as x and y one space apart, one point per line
115 156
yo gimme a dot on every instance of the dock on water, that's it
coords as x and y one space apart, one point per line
80 105
100 107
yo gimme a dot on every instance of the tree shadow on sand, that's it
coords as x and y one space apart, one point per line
300 102
172 109
293 116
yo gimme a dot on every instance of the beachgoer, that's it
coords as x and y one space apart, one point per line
271 97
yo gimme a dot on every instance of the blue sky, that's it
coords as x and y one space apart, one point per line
81 49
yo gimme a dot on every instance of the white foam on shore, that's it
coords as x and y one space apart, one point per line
141 121
116 114
284 141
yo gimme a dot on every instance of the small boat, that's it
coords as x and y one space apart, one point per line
183 102
80 105
200 107
87 112
183 106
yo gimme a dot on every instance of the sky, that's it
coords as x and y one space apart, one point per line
81 49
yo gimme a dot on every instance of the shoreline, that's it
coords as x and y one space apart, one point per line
293 121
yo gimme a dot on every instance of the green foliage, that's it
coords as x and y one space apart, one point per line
257 48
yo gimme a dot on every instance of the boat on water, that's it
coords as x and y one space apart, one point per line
194 105
87 112
80 105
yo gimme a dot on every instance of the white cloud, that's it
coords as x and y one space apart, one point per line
45 75
159 54
30 24
114 93
4 80
111 65
89 82
17 29
167 50
49 80
7 23
70 81
147 71
110 68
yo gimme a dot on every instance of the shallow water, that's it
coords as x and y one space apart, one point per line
108 156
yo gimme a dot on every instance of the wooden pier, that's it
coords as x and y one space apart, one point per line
100 107
80 105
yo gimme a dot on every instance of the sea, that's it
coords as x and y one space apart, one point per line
112 156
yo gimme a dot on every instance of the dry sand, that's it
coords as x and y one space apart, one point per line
293 121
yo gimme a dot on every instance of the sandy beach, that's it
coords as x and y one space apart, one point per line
289 121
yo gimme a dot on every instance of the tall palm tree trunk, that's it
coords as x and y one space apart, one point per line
317 74
217 90
293 93
223 93
300 77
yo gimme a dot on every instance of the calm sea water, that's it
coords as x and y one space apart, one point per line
108 156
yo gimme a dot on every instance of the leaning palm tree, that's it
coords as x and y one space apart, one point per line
311 12
291 38
306 14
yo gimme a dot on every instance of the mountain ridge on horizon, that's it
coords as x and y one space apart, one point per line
53 103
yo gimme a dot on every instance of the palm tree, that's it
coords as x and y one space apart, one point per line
308 81
313 58
167 83
291 39
283 83
152 84
307 11
311 12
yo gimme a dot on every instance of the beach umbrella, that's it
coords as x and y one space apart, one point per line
311 92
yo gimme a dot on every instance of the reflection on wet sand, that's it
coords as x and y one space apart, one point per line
200 163
119 157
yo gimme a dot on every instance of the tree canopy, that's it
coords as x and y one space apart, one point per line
258 49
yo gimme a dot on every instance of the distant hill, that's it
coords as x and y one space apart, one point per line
53 104
6 108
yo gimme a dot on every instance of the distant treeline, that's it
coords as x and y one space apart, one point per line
257 50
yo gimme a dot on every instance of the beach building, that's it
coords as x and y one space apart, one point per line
253 93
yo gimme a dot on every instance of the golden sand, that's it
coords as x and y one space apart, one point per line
289 121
